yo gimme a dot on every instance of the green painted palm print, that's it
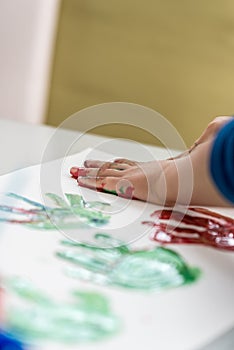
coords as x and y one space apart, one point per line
155 269
85 317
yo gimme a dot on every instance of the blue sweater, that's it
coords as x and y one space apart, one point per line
8 342
222 161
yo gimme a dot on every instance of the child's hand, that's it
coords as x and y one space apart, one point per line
124 178
184 179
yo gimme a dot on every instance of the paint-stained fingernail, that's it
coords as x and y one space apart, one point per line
75 172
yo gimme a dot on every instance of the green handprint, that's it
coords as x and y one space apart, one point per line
86 317
154 269
73 212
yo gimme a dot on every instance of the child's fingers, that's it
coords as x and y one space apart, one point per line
125 161
110 165
107 169
75 172
118 163
92 163
114 185
119 166
106 184
95 172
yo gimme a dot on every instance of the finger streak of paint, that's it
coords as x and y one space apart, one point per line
71 212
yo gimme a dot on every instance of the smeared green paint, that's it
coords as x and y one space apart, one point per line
126 192
109 191
155 269
74 212
86 317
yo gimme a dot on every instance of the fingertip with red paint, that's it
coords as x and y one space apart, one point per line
76 172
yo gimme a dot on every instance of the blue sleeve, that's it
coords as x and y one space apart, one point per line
8 342
222 161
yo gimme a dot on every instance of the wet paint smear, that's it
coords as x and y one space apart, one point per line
152 270
86 317
196 226
74 212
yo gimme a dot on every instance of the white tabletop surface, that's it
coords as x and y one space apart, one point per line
24 145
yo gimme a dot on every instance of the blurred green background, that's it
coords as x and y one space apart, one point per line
176 57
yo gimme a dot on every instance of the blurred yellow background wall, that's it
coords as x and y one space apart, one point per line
175 56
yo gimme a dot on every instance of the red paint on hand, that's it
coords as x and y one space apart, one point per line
76 172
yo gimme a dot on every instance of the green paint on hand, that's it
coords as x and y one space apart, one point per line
85 318
109 191
155 269
74 212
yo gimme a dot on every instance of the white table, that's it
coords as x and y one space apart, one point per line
24 144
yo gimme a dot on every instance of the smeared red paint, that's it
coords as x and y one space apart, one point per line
197 226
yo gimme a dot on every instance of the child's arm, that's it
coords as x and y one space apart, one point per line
185 180
222 161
